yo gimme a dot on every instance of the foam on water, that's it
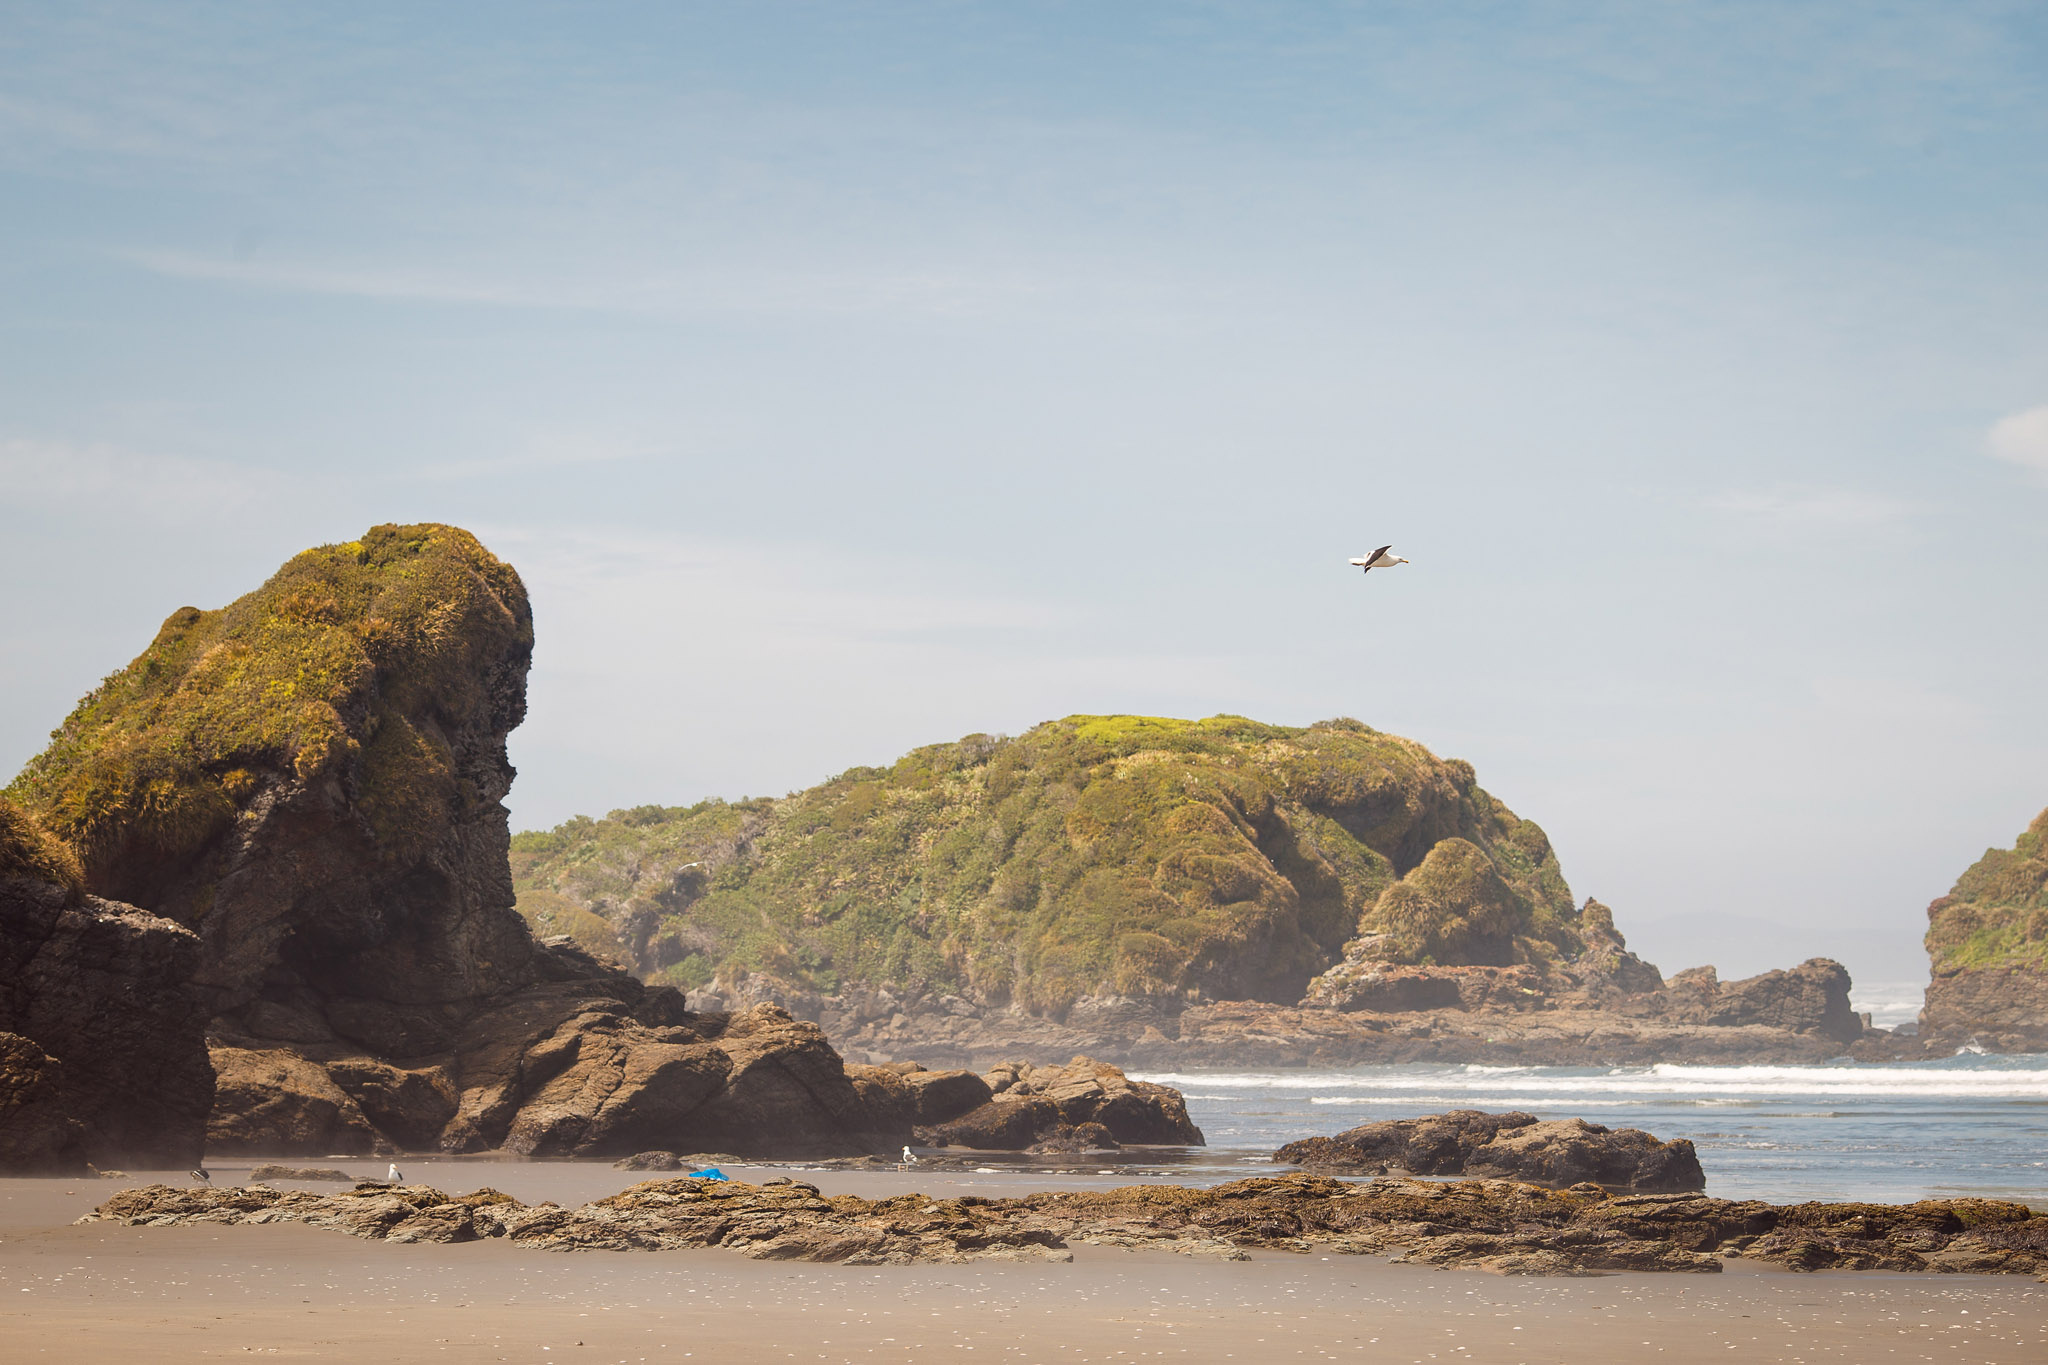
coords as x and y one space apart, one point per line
1970 1123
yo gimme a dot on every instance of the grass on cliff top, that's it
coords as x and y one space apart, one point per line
1132 855
1997 915
29 850
318 667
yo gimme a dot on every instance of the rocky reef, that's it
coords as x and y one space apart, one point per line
305 788
1987 944
1496 1225
1159 893
1514 1146
102 1043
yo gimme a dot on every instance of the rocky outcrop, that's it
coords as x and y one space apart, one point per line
1497 1225
1083 1106
1987 944
107 1063
1516 1146
1092 858
311 781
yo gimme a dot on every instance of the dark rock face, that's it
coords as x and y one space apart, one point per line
2001 1008
1515 1146
1810 998
100 989
1496 1225
38 1136
1047 1108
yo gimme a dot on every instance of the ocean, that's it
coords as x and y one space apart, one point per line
1970 1124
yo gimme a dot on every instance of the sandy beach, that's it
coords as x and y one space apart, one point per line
176 1294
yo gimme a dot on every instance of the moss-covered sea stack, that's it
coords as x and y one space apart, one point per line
311 778
1089 858
289 773
1987 942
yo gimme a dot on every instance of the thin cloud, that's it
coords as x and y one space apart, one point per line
936 292
1813 508
2022 438
67 476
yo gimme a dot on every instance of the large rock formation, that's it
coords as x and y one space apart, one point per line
1988 944
1516 1146
1092 859
102 1044
1497 1225
311 780
1130 887
1017 1106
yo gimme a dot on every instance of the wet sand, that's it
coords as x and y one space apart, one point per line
188 1294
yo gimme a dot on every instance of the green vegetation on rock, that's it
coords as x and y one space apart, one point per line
29 850
335 668
1997 915
1091 856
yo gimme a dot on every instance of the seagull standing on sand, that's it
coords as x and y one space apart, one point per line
1378 559
909 1157
202 1175
394 1175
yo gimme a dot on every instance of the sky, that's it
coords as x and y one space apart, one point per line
843 378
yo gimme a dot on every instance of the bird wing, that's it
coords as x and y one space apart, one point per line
1372 558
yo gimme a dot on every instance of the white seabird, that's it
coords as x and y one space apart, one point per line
394 1175
201 1174
1378 559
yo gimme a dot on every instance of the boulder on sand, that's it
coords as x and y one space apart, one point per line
1035 1106
1517 1146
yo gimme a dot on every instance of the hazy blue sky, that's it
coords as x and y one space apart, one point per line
849 377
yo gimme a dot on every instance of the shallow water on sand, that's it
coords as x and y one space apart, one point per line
1969 1124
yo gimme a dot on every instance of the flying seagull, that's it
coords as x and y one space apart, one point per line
1378 559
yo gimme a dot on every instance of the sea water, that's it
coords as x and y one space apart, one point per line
1969 1124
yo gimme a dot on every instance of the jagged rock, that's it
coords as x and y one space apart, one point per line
303 1174
1810 998
1515 1146
1035 1105
275 1102
99 988
1499 1225
1606 967
311 779
1081 1137
944 1095
1005 1124
2003 1009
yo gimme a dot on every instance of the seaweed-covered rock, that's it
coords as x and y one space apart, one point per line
311 780
1497 1225
1516 1146
1987 943
99 991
